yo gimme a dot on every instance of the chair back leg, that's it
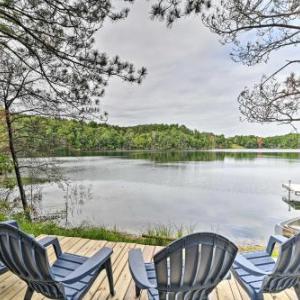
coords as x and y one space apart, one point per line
29 293
110 278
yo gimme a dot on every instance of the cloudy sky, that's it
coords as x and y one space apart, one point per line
191 79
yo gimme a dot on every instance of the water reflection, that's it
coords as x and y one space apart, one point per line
76 195
236 194
179 156
292 204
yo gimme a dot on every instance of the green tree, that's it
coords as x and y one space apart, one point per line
50 66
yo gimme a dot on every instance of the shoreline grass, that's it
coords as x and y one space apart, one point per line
153 236
84 231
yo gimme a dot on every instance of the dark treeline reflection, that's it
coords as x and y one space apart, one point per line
177 156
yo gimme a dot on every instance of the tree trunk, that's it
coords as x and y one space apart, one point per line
16 163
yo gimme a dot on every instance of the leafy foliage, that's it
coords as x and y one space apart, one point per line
39 136
171 10
67 136
5 164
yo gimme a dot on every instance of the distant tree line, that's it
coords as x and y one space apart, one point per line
287 141
40 136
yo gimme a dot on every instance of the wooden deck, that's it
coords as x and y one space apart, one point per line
13 288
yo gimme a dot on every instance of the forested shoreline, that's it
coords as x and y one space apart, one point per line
48 136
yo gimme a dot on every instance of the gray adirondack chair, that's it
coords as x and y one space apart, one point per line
69 277
259 273
3 268
189 268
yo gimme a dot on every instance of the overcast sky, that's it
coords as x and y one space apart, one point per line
191 79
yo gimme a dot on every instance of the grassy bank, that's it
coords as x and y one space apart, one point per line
88 232
161 237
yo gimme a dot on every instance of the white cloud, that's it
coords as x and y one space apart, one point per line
191 78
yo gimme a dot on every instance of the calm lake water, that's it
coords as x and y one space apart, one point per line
237 194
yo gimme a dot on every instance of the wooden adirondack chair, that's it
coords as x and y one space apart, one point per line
259 273
189 268
69 277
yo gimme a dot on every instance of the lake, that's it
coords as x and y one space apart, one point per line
235 193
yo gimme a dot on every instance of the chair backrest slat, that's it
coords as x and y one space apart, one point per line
204 263
32 268
17 256
284 260
294 265
192 266
5 253
226 261
176 268
162 273
217 264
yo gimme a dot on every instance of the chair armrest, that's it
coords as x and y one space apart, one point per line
51 240
273 240
246 265
138 270
92 263
3 268
11 222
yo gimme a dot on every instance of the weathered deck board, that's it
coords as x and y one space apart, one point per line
13 288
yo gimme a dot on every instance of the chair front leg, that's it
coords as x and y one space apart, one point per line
110 278
29 293
137 291
259 296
